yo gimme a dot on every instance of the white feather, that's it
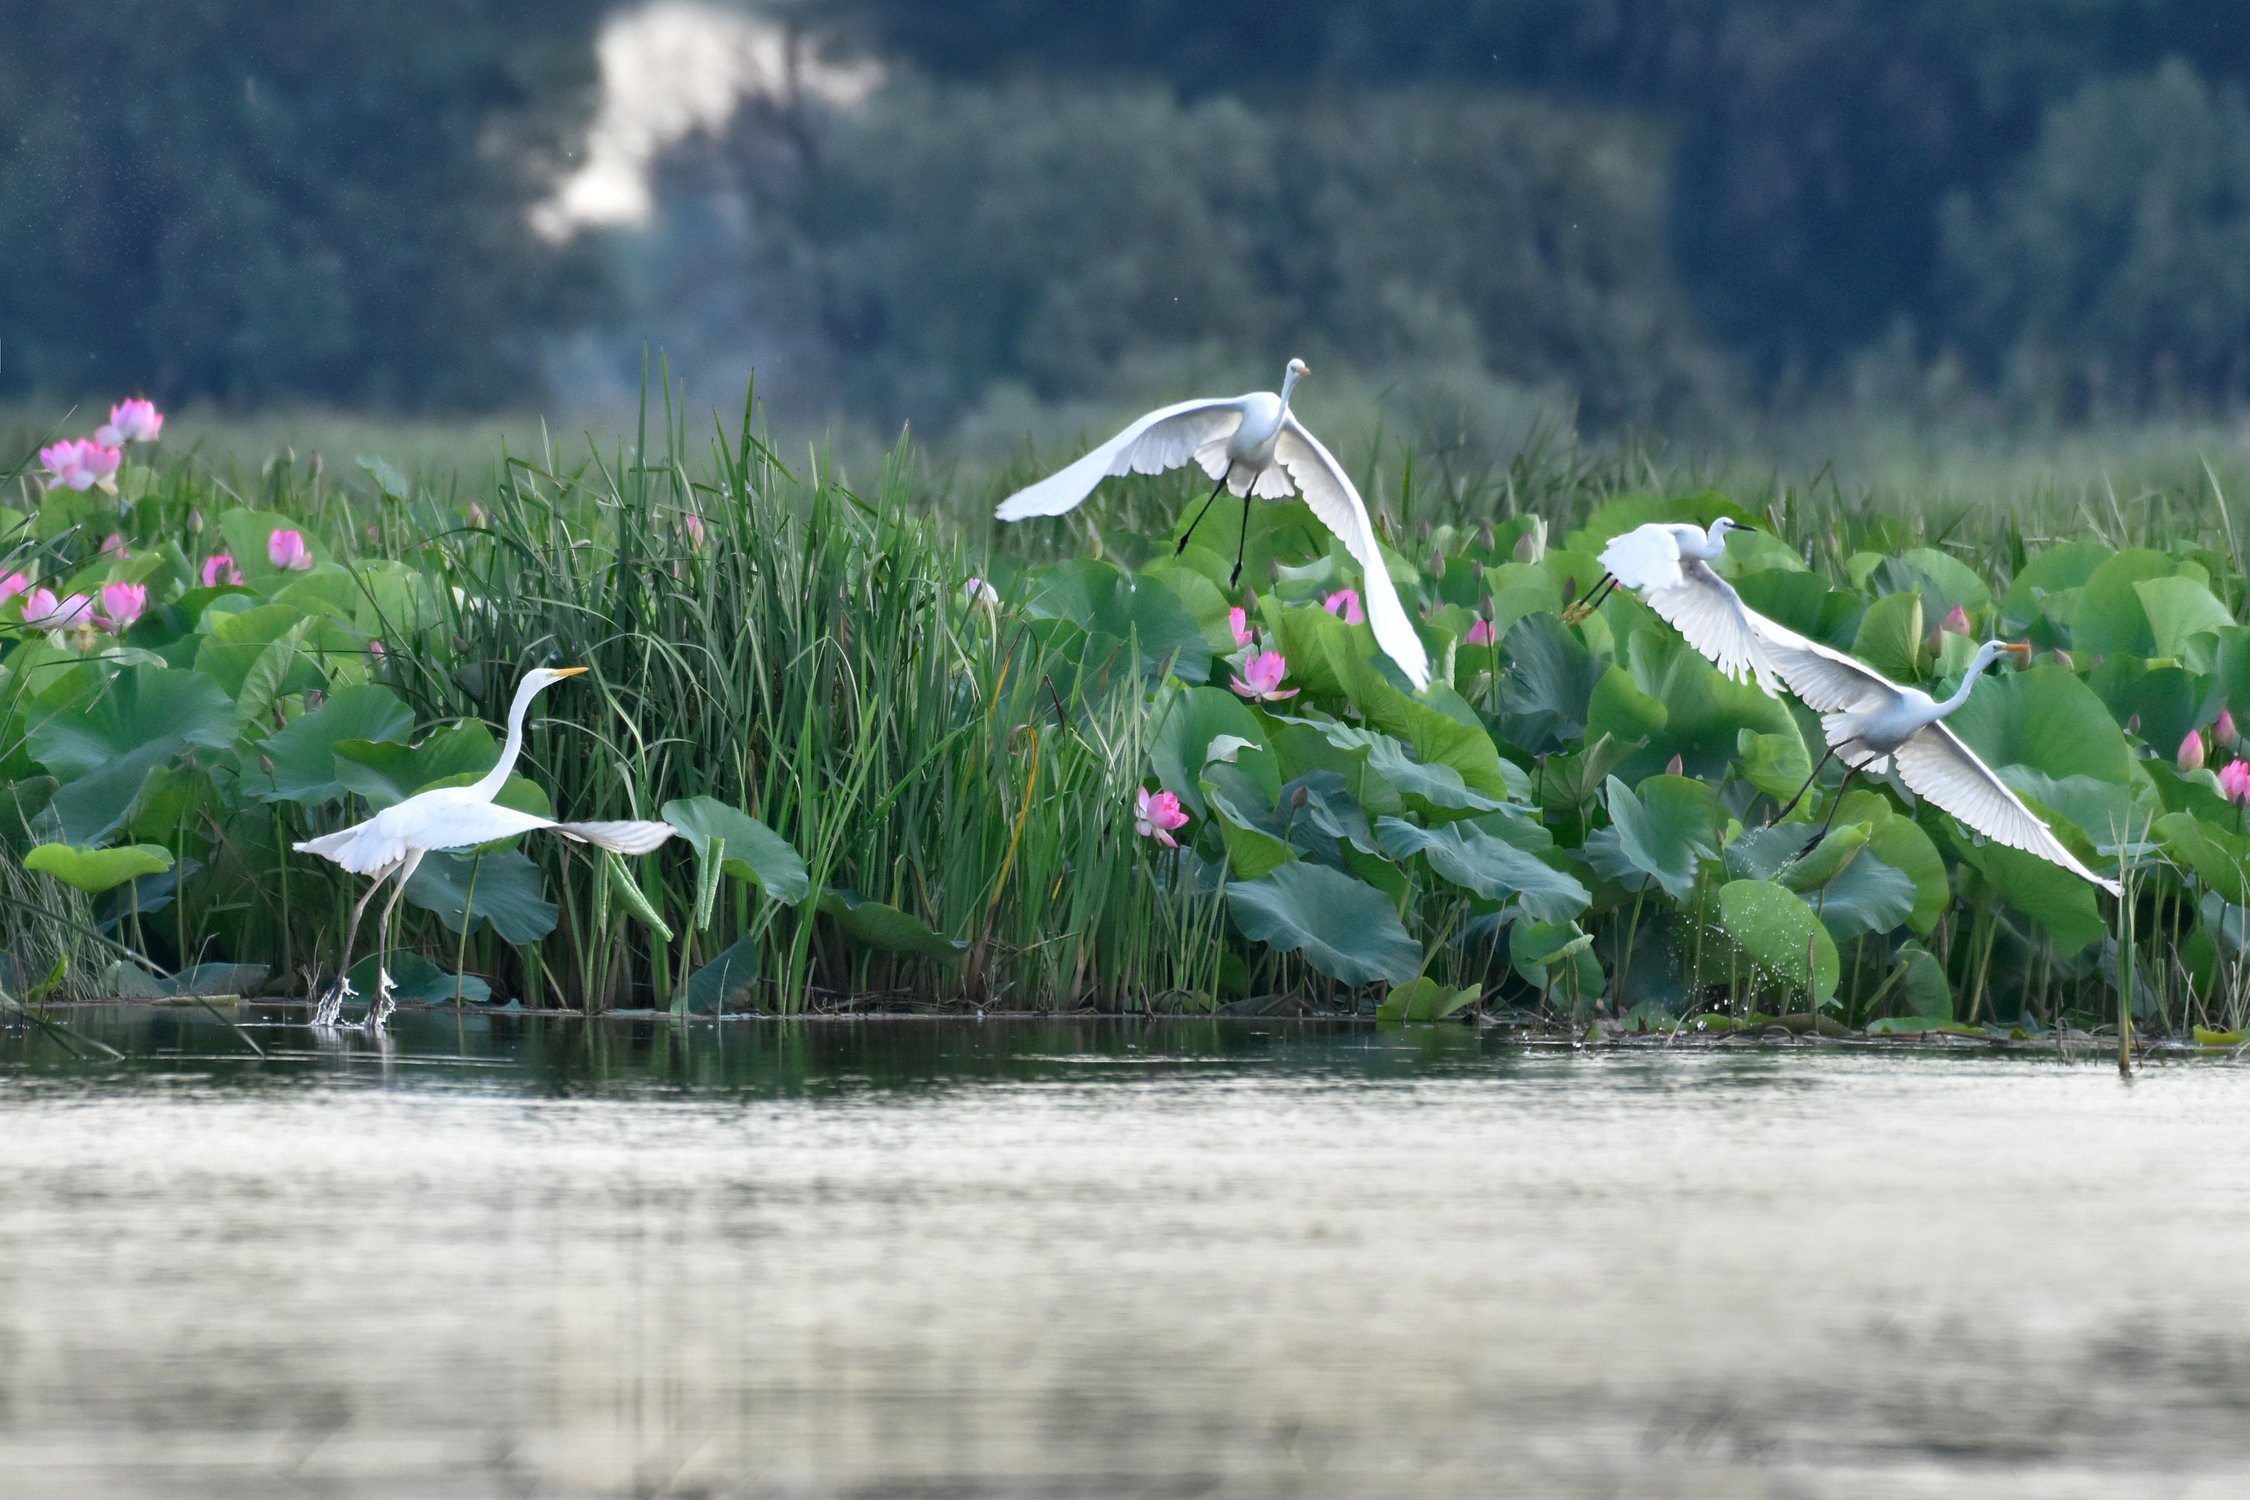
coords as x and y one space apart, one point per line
1168 438
1331 496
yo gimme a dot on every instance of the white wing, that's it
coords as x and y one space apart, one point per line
1711 617
1647 557
1935 763
1826 679
1328 490
363 848
1164 439
629 837
464 825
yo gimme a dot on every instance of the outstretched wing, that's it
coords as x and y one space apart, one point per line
1329 491
467 824
1711 617
1647 557
632 836
363 848
1826 679
1164 439
1935 763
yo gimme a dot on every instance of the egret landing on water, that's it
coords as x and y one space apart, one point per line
1255 447
392 843
1669 566
1872 722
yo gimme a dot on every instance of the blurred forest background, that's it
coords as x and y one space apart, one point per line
1722 220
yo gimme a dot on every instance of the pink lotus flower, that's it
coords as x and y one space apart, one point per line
113 545
2234 781
692 524
12 585
81 464
1481 633
2223 732
219 568
1261 677
2191 754
1344 603
43 611
1956 621
375 649
1238 622
134 421
122 604
1155 816
287 551
978 594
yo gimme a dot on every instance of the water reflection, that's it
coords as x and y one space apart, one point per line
503 1255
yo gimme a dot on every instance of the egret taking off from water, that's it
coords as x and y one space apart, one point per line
1255 447
1871 722
1669 566
392 843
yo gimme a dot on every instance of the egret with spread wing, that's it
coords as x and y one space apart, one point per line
1872 722
1255 447
1669 566
391 844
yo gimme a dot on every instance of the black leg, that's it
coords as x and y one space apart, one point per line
1818 767
1841 786
1583 607
1241 544
1199 515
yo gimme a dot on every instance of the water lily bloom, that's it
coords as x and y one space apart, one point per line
287 551
1956 621
134 421
2191 754
1156 815
219 568
122 604
2234 781
1481 633
1238 622
2223 731
12 585
43 611
81 464
1344 604
1260 679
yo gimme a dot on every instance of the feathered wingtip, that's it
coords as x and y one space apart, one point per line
630 836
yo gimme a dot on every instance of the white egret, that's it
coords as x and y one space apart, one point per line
1872 722
391 844
1253 446
1669 566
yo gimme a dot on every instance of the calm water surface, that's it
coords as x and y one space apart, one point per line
920 1258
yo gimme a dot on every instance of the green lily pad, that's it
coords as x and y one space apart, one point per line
1659 833
1343 927
874 924
96 870
1777 931
1490 866
726 977
303 751
750 850
506 897
1425 999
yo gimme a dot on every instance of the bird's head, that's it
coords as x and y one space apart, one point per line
1726 524
1994 650
1299 369
538 679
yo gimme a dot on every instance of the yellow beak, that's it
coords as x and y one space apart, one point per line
2021 651
574 671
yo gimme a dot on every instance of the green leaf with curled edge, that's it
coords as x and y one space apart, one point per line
1345 928
96 870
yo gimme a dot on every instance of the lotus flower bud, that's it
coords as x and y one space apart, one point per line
2234 781
2191 754
2133 724
1437 562
1675 766
194 521
1485 536
1532 545
1956 621
2062 660
2223 732
1299 797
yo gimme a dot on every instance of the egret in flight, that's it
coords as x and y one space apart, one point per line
1669 566
1255 447
1872 722
391 844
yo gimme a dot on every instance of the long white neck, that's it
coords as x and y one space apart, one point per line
497 777
1288 384
1985 656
